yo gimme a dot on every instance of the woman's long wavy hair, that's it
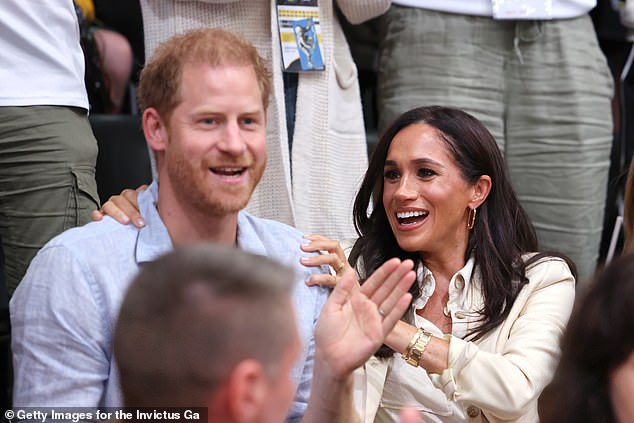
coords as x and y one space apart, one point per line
502 231
598 339
628 211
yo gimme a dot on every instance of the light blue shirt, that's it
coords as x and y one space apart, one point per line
64 311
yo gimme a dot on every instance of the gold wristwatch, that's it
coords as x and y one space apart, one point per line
416 347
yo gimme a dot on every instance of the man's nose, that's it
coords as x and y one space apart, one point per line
232 142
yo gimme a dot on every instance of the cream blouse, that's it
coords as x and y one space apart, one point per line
412 386
497 378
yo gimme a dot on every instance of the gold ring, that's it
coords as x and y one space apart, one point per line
340 267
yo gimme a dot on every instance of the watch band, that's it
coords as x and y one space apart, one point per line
416 347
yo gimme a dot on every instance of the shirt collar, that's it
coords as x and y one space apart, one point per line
248 238
459 284
153 239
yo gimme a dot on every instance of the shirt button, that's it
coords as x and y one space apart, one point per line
473 411
459 283
460 315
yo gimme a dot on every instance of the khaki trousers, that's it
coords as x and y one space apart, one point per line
47 179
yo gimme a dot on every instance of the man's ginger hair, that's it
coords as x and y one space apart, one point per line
160 79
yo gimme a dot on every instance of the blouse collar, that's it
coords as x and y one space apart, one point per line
459 283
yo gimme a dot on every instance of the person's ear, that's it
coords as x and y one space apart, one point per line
481 190
155 129
248 391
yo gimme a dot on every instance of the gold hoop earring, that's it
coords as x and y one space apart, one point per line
471 218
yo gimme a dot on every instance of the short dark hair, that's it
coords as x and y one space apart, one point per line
599 338
502 231
191 315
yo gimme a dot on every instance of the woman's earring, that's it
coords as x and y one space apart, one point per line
471 218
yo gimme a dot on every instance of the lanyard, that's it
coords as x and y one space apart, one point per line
300 35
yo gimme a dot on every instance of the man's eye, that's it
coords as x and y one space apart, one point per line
208 121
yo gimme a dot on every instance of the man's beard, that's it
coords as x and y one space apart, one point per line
192 188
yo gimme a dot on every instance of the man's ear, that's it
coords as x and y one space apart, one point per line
155 129
248 391
481 190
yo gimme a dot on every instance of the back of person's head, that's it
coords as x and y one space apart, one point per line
194 314
598 339
502 231
160 79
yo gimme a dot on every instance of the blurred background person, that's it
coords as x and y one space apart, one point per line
202 299
595 378
109 60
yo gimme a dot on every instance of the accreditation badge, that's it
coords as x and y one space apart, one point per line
522 9
300 35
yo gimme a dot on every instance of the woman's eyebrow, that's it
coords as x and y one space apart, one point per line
421 161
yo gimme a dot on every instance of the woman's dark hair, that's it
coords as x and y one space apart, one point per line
599 337
502 230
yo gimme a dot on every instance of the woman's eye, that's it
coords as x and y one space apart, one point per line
390 174
425 173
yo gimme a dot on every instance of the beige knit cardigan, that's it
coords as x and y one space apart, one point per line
329 154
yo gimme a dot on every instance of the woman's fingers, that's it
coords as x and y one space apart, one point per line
110 208
321 243
330 254
124 208
96 215
333 260
388 288
379 285
323 279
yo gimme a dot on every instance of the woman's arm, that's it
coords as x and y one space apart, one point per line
435 356
504 373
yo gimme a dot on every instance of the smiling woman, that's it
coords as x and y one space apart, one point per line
427 200
480 340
